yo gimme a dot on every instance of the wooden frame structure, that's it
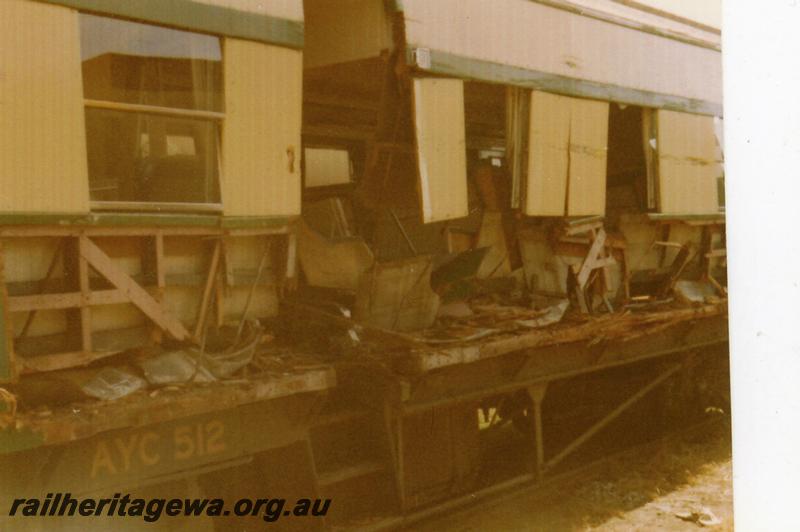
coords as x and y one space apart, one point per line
87 267
131 266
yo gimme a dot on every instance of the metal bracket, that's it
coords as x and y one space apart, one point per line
537 392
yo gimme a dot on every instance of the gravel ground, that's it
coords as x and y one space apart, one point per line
690 477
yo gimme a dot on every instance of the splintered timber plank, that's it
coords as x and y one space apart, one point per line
137 295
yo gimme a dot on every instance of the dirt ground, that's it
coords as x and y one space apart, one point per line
686 476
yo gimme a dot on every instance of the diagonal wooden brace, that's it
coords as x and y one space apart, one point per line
137 295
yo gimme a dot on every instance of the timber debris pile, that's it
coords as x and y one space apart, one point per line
496 314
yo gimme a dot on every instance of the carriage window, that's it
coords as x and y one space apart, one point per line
153 99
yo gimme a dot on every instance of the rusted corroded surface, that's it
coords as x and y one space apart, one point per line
619 326
82 420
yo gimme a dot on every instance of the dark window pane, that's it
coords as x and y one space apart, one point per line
143 64
151 158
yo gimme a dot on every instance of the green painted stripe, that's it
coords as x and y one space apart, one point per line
258 222
171 220
710 217
206 18
395 5
145 219
453 65
35 218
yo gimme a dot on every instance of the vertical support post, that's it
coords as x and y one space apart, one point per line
537 393
388 418
705 249
204 301
161 277
290 277
665 232
626 275
85 289
400 465
221 283
312 464
8 369
153 264
219 303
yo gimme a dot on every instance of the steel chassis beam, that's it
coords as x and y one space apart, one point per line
598 426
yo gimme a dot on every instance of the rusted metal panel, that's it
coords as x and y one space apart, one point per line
150 453
609 327
516 370
66 425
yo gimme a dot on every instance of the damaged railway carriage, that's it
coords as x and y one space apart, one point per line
512 231
150 170
521 205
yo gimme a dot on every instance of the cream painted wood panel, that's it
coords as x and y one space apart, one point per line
345 30
43 164
288 9
441 148
587 157
667 22
688 163
325 167
544 39
261 130
708 12
567 143
548 157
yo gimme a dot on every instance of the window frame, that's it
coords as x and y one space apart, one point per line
216 117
